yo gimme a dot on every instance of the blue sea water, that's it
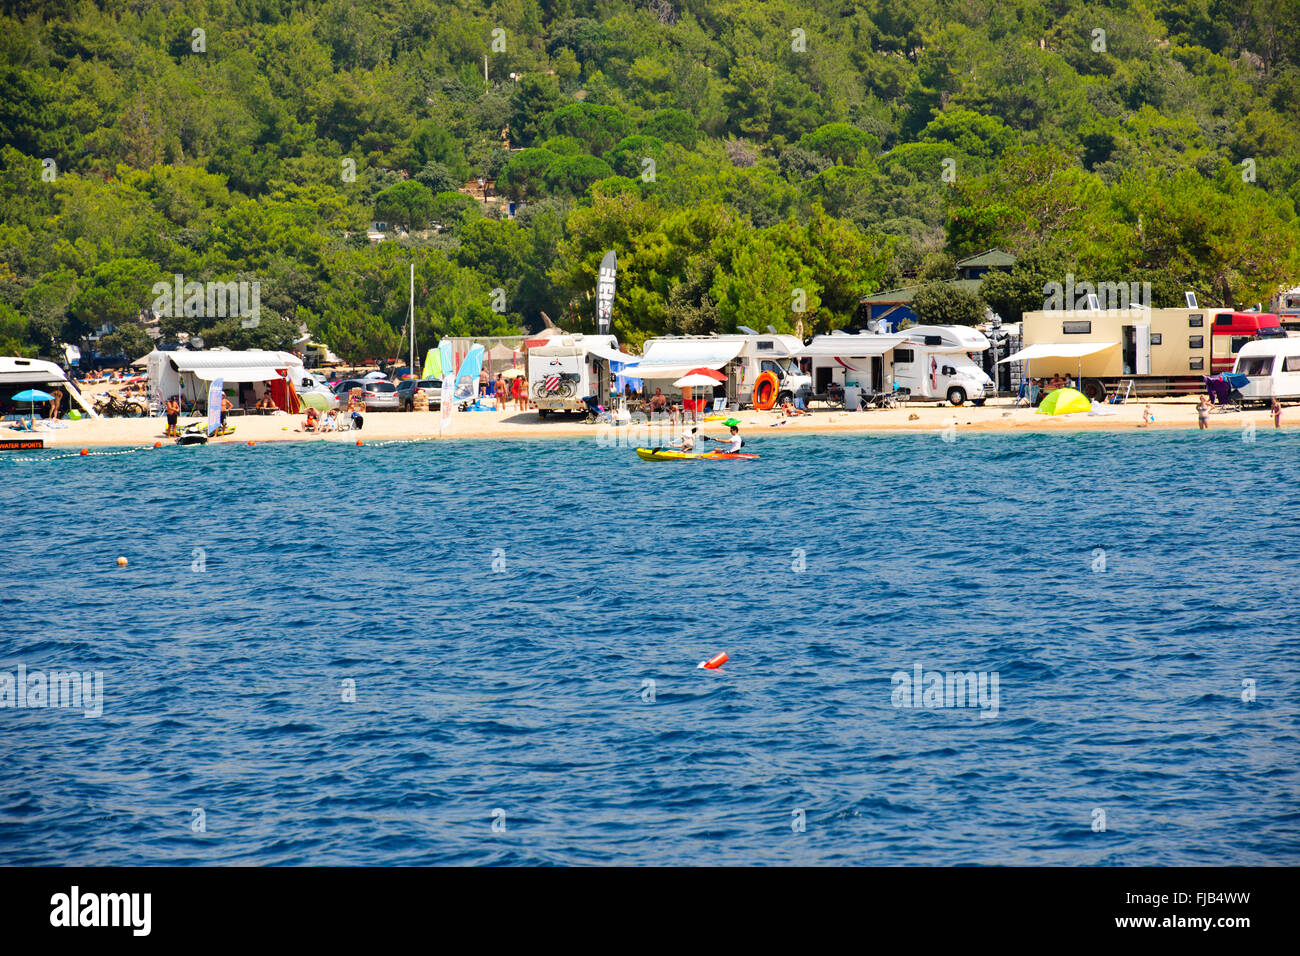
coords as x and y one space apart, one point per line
501 607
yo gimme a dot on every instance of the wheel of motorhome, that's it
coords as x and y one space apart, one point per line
1094 390
765 387
957 396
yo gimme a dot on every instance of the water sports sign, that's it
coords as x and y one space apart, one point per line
21 444
605 291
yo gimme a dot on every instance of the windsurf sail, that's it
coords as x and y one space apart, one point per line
468 373
433 364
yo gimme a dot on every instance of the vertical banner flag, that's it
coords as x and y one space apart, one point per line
605 292
216 392
447 402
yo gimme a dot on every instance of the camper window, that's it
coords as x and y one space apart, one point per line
1196 341
1081 327
1223 319
1257 365
1156 338
1195 321
1197 365
1291 363
902 356
767 346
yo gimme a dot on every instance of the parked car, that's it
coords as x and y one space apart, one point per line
407 388
380 396
341 389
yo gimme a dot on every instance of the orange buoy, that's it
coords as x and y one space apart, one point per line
85 451
157 444
251 442
713 663
121 562
359 443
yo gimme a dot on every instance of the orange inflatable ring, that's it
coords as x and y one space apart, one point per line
765 387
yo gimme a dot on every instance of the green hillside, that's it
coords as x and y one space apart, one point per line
752 163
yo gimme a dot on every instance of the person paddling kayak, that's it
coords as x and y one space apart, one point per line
734 444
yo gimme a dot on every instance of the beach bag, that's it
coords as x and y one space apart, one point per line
357 420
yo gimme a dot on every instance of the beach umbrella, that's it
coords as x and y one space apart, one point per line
1064 401
712 373
33 395
694 380
512 373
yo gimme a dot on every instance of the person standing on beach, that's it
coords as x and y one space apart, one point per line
173 414
1203 414
1277 413
499 391
1147 417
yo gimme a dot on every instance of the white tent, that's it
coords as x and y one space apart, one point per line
670 359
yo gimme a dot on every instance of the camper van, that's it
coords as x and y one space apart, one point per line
565 369
924 362
1273 368
741 357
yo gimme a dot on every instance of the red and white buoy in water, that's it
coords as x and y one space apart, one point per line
713 663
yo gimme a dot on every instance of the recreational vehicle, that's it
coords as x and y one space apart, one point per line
743 358
923 362
19 374
1273 368
565 369
1159 351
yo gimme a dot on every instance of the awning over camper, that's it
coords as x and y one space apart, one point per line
612 355
1072 350
673 359
186 361
249 374
851 346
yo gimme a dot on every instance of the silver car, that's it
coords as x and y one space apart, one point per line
380 396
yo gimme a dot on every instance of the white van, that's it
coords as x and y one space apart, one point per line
935 363
569 368
1272 367
928 361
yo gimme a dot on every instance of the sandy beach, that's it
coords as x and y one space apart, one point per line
996 416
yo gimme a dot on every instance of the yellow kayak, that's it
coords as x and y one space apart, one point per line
668 454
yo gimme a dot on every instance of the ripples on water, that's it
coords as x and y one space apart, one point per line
524 690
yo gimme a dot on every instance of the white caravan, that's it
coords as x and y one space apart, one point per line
18 374
1272 367
569 368
741 357
926 361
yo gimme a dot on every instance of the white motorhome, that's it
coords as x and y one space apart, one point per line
742 358
925 362
19 374
1272 367
565 369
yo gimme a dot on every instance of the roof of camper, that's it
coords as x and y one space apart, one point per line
187 361
14 368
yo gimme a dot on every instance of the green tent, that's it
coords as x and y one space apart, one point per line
1064 401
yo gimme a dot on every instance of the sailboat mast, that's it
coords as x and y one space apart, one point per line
412 366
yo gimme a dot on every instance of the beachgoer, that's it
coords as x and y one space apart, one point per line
1203 414
1147 417
173 415
658 402
330 422
789 410
734 443
499 391
1277 413
517 390
312 420
225 408
687 443
54 405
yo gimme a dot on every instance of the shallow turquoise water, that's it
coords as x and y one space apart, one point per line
501 606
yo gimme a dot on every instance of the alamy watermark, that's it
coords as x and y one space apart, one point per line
1134 297
935 690
34 689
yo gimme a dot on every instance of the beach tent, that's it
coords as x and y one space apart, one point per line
187 373
671 359
1064 401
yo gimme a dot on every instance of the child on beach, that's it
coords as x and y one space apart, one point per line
1147 417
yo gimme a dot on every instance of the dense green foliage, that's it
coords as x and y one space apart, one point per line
752 163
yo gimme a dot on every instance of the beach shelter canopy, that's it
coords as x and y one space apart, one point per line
1072 350
695 380
610 354
1064 401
